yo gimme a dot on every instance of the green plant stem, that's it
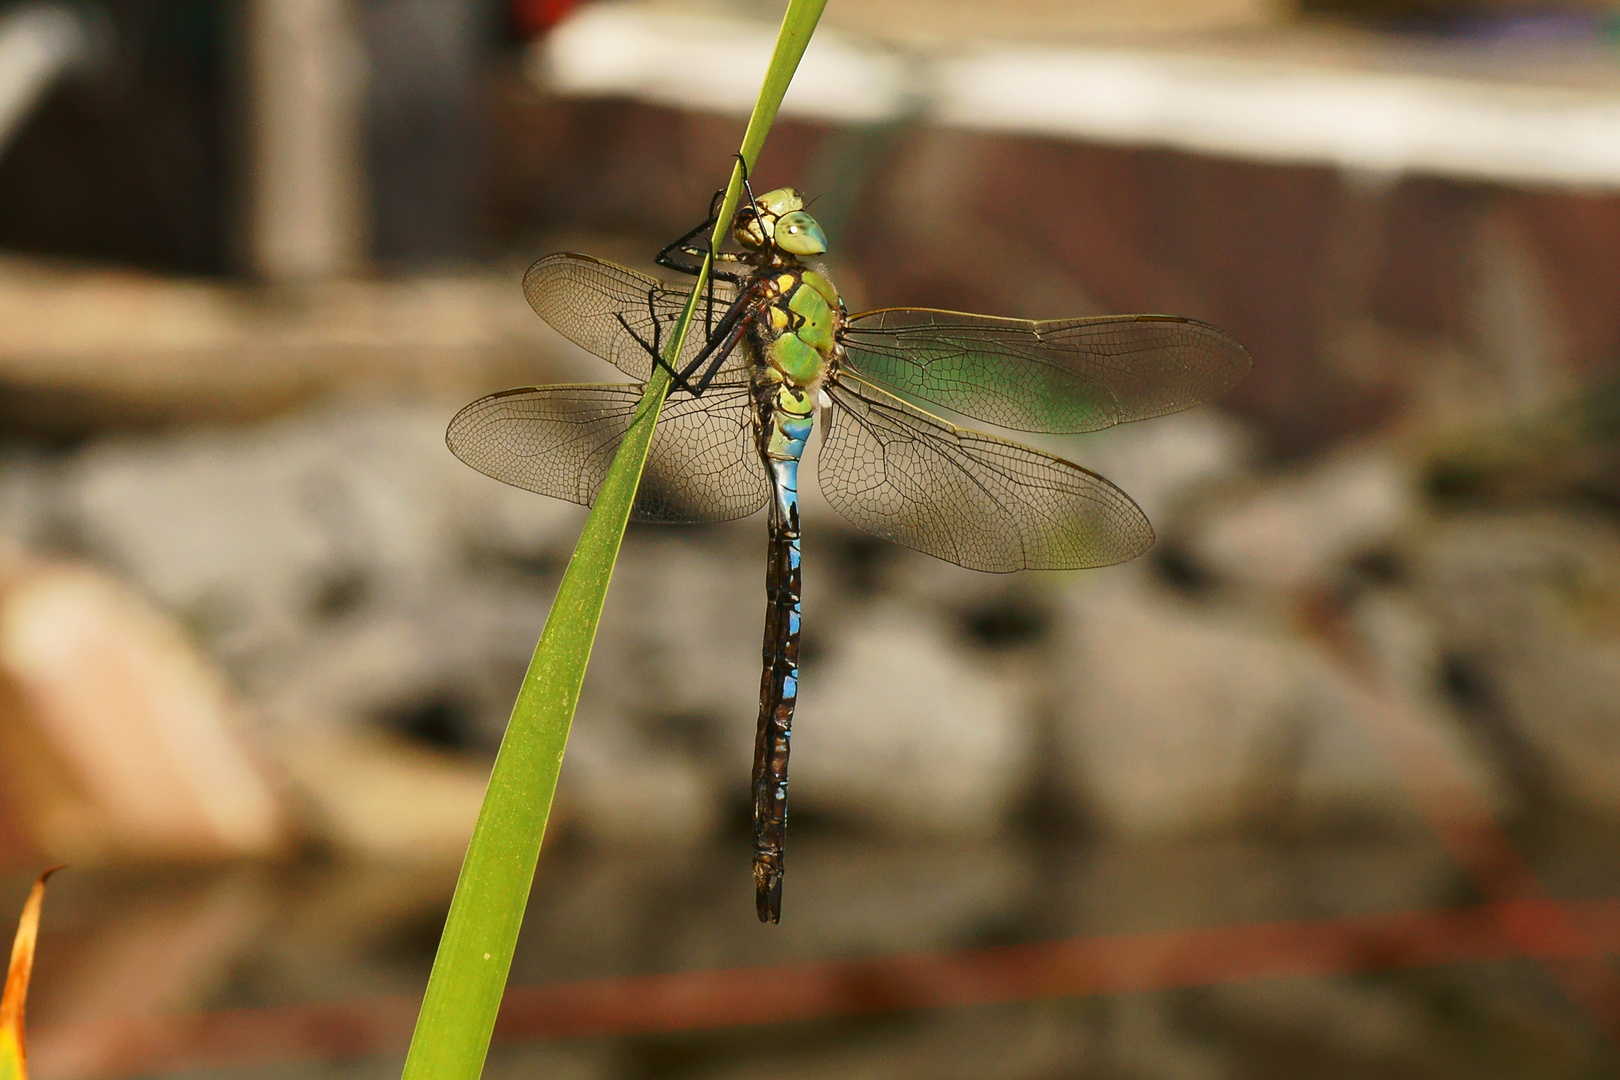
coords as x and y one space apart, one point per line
464 991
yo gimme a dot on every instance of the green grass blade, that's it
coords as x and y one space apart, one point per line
475 952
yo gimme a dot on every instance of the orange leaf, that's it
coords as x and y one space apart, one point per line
13 1051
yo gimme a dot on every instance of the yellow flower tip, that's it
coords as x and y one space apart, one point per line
13 1048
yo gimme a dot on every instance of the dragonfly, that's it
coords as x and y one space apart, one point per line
778 357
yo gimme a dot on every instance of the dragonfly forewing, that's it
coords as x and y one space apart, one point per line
1060 375
967 497
558 441
584 299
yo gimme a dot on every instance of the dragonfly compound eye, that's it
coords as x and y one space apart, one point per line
799 234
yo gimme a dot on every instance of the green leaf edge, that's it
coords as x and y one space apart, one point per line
463 996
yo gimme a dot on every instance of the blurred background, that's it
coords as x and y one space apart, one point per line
1327 781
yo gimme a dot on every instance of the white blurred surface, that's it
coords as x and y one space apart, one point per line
707 61
1361 107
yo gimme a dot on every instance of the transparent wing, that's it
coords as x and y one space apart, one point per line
558 441
582 298
1061 375
967 497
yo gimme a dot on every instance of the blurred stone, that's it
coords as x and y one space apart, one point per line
1406 641
679 652
900 728
1530 609
376 798
879 568
352 575
119 739
345 929
616 791
1159 462
243 528
341 557
896 726
1302 529
1175 719
662 744
28 490
444 668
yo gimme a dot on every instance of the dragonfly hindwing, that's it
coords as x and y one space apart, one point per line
969 498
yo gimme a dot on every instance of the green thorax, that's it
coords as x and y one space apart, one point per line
797 333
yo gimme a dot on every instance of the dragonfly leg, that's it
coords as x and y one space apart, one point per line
649 347
720 345
655 347
748 188
717 346
686 244
721 342
683 245
719 358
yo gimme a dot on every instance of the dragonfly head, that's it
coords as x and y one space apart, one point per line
779 222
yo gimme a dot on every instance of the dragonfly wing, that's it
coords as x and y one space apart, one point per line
583 299
1061 375
558 441
967 497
